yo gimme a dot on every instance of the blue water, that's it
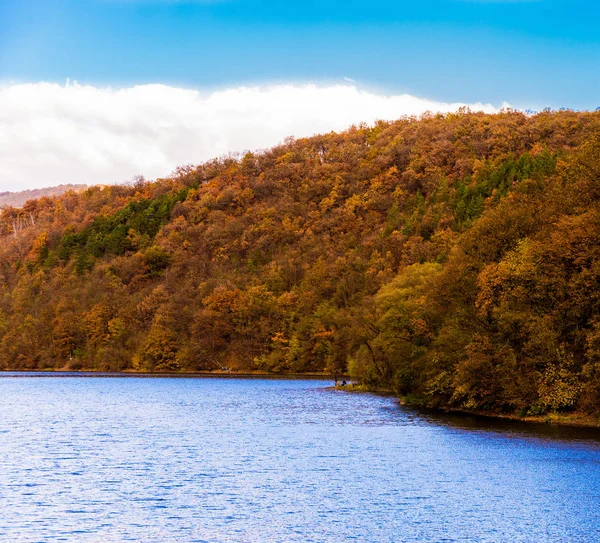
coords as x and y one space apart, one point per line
264 461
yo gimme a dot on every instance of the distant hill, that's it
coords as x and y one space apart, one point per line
17 199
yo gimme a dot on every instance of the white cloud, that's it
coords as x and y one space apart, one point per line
52 134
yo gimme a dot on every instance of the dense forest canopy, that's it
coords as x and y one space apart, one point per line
455 258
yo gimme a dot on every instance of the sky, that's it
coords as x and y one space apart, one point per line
98 91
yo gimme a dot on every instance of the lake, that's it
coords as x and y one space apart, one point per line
159 460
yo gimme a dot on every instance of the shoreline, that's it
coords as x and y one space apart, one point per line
571 420
150 375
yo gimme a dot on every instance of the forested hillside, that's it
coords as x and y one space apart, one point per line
454 258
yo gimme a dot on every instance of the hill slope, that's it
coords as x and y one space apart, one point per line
454 258
18 199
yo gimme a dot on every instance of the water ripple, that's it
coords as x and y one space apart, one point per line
260 461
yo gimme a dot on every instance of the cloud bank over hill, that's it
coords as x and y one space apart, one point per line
52 134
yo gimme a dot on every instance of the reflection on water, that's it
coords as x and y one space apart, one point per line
260 461
509 428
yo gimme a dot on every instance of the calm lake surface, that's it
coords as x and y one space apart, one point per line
264 461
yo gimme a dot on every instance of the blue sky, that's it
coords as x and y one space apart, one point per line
528 53
154 84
